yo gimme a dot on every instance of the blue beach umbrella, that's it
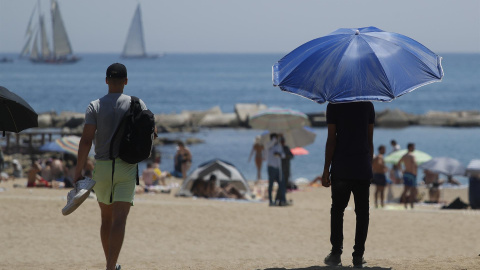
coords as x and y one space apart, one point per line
353 64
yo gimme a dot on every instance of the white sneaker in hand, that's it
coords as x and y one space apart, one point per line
78 195
83 187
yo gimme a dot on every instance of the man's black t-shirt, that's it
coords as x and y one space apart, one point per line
352 159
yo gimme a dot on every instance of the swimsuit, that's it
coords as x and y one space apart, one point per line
379 179
123 187
409 179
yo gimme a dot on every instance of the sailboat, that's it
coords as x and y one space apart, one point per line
135 44
62 50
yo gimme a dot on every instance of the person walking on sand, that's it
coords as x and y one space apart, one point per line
409 193
379 179
274 155
115 192
348 169
259 150
286 173
396 172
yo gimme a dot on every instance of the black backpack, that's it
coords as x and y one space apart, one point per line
134 135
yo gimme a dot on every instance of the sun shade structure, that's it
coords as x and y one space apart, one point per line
444 165
277 119
67 144
357 64
420 157
297 137
15 113
299 151
225 172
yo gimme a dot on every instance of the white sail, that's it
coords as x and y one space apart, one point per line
135 44
34 53
26 47
45 50
61 44
29 30
28 35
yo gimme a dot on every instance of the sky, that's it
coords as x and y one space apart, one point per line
246 26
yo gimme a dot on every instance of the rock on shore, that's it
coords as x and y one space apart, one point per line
72 122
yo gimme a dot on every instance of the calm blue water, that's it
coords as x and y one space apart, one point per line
200 81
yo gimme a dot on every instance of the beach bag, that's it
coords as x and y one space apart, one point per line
134 135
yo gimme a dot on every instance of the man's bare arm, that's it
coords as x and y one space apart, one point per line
329 150
84 148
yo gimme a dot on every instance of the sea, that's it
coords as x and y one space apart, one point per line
183 82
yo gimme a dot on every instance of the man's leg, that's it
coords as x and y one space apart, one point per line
382 195
404 195
119 213
361 194
106 215
413 196
280 196
271 179
340 196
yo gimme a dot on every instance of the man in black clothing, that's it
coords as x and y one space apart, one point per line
285 171
348 169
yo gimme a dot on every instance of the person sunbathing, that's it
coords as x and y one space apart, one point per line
209 189
34 179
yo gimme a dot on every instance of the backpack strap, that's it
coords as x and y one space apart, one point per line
113 171
138 178
135 105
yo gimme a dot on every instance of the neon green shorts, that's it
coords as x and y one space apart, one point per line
122 188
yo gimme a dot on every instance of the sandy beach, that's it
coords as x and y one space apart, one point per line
165 232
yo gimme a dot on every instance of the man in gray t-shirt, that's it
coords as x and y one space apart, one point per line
106 113
115 185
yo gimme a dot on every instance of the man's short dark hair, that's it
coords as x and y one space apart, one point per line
381 147
273 135
409 145
393 142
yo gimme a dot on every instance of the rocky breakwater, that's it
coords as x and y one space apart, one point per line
188 121
396 118
68 122
192 121
71 123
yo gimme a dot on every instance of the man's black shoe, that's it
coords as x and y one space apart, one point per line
333 259
358 262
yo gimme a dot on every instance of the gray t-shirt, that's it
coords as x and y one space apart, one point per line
106 113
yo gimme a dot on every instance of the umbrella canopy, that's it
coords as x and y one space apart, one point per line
298 137
299 151
67 144
444 165
360 64
395 157
15 113
278 119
